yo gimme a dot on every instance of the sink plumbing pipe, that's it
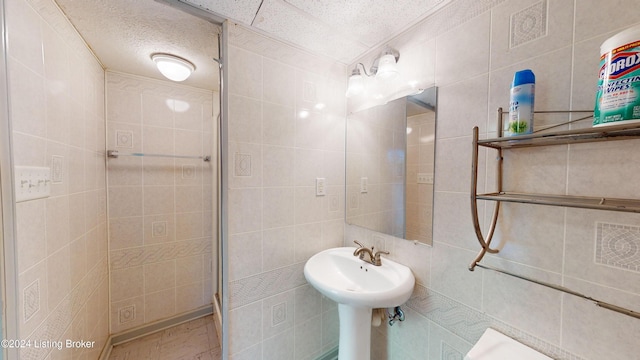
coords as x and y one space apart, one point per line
398 314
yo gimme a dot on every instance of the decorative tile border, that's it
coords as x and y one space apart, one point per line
137 256
618 246
60 318
264 285
448 352
470 324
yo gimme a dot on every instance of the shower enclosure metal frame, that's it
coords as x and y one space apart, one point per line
222 246
8 274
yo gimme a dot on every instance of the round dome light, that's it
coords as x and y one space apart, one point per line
173 67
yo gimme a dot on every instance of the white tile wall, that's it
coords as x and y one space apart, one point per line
58 122
160 217
474 65
276 221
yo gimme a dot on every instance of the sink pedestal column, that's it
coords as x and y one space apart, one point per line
355 332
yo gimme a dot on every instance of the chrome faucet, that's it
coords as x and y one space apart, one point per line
374 258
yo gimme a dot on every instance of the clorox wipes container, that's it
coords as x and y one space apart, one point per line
618 96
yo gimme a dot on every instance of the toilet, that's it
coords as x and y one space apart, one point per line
497 346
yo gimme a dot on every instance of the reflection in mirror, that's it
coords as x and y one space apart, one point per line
390 167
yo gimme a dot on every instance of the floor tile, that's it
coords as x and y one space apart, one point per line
193 340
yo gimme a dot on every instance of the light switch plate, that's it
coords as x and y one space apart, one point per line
364 185
32 182
321 189
424 178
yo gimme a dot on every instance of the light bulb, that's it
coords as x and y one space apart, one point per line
387 66
173 67
356 83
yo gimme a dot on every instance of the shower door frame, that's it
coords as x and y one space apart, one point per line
222 141
8 274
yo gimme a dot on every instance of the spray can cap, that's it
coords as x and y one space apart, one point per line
523 77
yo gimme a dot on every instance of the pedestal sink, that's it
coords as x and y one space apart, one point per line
357 287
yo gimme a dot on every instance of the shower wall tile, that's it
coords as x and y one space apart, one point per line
57 127
31 224
191 117
158 140
189 142
159 276
191 296
158 304
156 110
189 226
158 205
155 171
26 35
126 232
29 119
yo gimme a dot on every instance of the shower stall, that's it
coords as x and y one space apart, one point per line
126 241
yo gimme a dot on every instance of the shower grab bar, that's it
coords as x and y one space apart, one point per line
115 153
599 303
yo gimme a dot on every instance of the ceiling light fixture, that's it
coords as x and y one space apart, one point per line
385 66
173 67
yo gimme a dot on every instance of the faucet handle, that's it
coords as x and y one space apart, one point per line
359 244
376 257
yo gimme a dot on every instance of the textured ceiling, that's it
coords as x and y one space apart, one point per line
124 33
340 29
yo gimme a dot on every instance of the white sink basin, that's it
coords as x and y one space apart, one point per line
346 279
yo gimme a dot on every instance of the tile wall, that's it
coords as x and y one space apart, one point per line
286 129
420 160
57 116
470 50
376 139
161 213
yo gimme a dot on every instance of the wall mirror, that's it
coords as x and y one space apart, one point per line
390 158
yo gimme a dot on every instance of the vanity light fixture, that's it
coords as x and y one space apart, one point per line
173 67
385 66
